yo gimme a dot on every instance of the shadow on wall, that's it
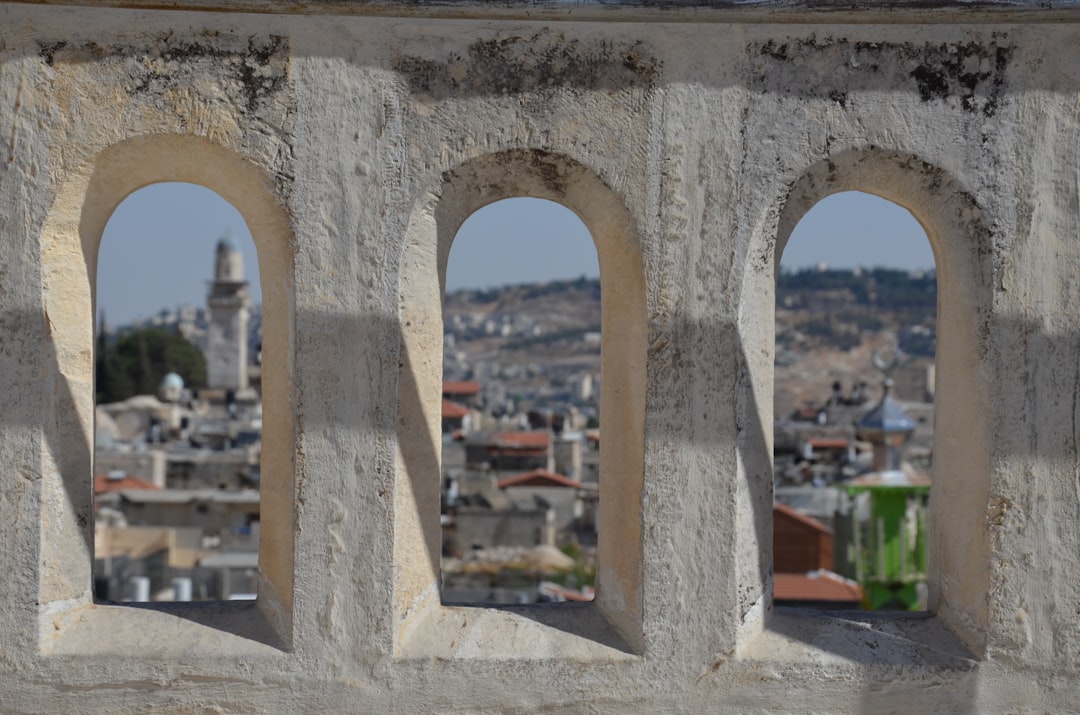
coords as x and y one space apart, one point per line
337 334
960 239
70 241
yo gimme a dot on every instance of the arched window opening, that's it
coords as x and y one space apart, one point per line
178 417
856 318
520 414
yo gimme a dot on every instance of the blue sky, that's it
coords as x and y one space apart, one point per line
852 229
158 250
158 247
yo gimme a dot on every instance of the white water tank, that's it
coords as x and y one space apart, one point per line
140 588
181 587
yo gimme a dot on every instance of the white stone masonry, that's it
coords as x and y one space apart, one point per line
355 138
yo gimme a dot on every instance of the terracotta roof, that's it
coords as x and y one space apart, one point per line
522 439
452 410
539 478
104 485
784 510
818 585
460 387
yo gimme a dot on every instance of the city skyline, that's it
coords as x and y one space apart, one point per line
157 249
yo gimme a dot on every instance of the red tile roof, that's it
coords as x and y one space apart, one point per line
539 478
460 387
783 510
452 410
522 439
104 485
815 586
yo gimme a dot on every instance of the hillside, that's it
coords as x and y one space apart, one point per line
534 338
829 323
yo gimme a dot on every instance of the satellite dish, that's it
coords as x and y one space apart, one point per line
887 359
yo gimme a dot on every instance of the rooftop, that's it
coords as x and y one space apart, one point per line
539 478
818 585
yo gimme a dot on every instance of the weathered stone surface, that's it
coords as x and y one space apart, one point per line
355 137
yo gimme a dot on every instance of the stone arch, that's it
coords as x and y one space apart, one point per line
433 225
959 237
71 238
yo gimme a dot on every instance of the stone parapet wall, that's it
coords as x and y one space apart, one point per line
355 138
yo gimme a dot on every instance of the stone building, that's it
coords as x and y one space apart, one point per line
355 138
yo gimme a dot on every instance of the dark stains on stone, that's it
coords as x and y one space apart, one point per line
423 74
972 74
866 54
548 167
256 71
634 62
933 84
552 169
774 50
515 65
66 53
260 71
48 50
936 179
1002 57
257 85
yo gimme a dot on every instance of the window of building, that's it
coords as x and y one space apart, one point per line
856 325
178 416
521 407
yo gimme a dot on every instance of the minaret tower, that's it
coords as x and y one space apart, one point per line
226 343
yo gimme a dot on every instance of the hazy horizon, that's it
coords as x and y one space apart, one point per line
157 251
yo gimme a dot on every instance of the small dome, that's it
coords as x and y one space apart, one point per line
172 381
226 243
228 261
886 418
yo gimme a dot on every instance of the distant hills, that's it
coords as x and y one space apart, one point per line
828 322
815 308
882 288
838 308
529 315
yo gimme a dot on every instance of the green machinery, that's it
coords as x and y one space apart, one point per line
887 550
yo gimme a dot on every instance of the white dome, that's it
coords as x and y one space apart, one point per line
173 381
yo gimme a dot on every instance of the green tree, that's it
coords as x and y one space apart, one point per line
138 362
109 375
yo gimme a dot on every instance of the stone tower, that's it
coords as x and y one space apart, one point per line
226 342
